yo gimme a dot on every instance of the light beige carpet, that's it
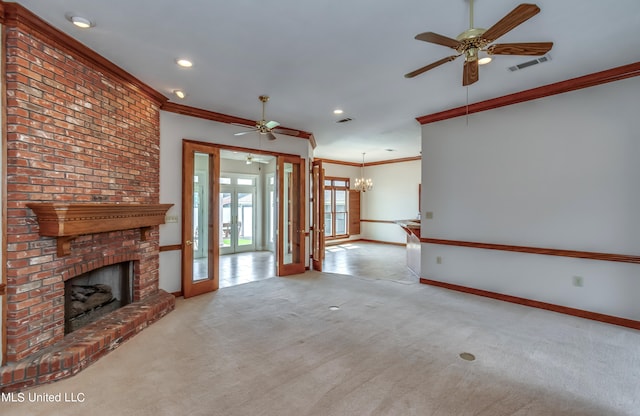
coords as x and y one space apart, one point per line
275 347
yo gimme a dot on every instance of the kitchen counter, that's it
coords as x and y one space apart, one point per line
412 228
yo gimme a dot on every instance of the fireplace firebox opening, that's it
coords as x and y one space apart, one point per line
96 293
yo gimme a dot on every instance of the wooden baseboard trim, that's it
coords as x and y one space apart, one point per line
379 221
177 294
366 240
594 316
622 258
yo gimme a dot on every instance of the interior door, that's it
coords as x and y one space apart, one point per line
291 213
200 229
317 251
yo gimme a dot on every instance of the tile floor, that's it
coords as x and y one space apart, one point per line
250 266
359 258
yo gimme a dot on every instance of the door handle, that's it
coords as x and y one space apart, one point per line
188 242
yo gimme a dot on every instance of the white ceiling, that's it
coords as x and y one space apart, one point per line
314 56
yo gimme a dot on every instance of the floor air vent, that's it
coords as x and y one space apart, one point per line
527 64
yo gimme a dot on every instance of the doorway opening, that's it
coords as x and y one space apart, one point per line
247 217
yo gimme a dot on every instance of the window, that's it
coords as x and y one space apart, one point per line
336 197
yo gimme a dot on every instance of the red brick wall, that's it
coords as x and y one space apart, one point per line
74 133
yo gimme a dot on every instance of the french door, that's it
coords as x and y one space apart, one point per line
237 219
291 216
317 249
200 228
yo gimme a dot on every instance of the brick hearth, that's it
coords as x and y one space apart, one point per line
84 346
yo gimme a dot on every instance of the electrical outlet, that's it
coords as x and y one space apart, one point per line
578 281
429 215
439 260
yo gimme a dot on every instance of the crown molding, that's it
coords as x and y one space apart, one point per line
223 118
586 81
380 162
15 15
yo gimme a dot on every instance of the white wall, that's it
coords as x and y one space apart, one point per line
394 197
173 129
560 172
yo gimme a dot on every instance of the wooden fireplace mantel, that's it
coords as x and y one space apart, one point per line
67 221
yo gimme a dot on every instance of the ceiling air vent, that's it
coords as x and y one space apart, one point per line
527 64
344 120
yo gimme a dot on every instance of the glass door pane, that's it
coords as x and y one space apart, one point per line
226 227
245 219
271 212
328 213
201 217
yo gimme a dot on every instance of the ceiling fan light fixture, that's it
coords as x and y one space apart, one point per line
485 60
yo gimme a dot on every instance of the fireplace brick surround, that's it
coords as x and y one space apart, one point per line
78 130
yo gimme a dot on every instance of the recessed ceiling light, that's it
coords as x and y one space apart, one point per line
180 94
467 356
185 63
338 111
80 21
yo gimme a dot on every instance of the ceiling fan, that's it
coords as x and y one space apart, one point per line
267 127
250 159
473 40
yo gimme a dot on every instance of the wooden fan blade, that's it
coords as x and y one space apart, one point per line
270 136
287 132
470 72
519 15
431 66
532 48
438 39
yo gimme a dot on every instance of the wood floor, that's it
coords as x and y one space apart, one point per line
358 258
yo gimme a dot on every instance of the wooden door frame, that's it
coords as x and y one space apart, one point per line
299 267
189 149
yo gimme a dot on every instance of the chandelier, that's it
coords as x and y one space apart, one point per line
362 184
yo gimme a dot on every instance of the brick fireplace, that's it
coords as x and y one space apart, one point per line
79 132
